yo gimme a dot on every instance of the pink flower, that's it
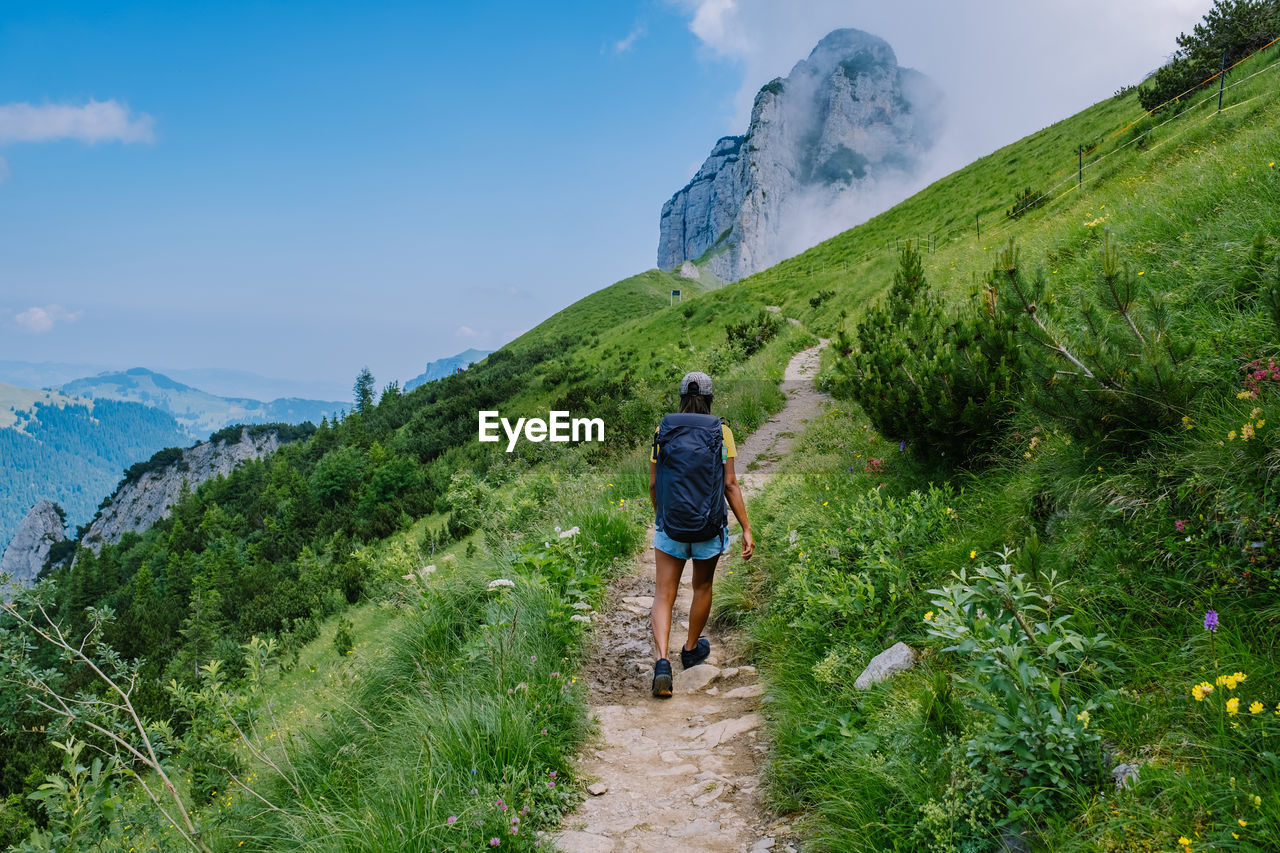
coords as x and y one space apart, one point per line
1180 525
452 819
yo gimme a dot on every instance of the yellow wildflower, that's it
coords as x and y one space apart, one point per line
972 554
928 617
1083 717
1243 823
1256 411
1233 705
1256 707
1246 432
1231 436
1201 690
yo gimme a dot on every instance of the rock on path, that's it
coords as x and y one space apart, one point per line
681 774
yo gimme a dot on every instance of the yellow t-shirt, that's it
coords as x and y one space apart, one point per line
727 452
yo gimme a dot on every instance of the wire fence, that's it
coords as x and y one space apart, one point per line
1075 177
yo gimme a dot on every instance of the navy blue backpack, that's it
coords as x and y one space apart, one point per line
690 477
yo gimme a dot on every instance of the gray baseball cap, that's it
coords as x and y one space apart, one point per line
699 379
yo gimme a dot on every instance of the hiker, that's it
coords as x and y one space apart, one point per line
690 477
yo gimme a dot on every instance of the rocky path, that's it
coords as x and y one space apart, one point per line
682 774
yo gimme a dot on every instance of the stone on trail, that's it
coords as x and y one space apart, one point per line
893 660
572 841
718 733
695 678
750 691
762 845
597 789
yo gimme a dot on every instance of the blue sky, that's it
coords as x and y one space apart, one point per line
301 189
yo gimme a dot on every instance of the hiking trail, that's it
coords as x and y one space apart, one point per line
683 774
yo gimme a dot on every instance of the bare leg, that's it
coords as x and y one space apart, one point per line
703 573
667 582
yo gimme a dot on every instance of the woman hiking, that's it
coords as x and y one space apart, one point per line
690 477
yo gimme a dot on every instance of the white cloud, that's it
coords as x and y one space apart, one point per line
96 121
625 44
1007 69
468 332
38 319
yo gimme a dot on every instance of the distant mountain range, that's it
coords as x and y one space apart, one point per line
71 440
442 367
199 412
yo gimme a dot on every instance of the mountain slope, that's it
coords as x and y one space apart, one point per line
198 411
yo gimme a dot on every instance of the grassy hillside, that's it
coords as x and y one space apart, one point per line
1058 583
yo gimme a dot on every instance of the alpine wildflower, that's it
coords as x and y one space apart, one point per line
1211 621
1256 707
1233 705
1201 690
1083 717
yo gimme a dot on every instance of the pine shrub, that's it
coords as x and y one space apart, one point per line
1109 370
942 384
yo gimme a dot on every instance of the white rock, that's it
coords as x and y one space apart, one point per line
597 789
695 678
572 841
718 733
750 691
893 660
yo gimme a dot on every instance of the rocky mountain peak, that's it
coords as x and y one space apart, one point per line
28 550
837 139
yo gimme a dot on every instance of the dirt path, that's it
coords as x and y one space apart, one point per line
682 774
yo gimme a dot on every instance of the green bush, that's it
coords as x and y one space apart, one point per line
1021 662
1110 369
944 385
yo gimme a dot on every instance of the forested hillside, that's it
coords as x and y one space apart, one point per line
75 454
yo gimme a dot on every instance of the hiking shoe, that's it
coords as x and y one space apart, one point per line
662 678
697 655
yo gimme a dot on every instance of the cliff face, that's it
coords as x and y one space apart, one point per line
141 503
29 548
846 125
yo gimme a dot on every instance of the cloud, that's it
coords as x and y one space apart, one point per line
1006 69
625 44
38 320
96 121
466 332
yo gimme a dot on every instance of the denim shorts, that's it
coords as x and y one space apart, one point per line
712 547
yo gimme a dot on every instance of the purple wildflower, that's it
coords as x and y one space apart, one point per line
1211 621
493 842
1180 525
902 447
453 818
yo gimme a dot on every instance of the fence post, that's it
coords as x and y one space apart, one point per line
977 223
1222 78
1079 166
